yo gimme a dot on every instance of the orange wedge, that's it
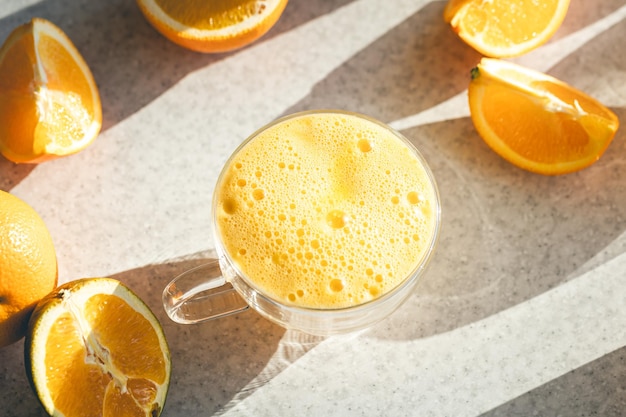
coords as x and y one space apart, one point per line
535 121
49 102
505 28
95 349
212 26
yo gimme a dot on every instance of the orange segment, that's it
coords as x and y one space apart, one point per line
49 101
212 26
94 348
505 28
535 121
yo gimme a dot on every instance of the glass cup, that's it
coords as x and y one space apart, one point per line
220 287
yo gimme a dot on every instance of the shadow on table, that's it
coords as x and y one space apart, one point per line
594 389
131 62
12 174
583 14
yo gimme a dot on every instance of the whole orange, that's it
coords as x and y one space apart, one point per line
28 265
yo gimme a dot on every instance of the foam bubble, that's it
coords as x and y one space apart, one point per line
258 194
364 145
336 219
229 206
413 197
336 285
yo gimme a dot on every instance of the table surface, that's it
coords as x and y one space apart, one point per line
522 311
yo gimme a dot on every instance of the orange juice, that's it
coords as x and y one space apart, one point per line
326 210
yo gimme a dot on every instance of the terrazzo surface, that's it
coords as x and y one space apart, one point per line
523 309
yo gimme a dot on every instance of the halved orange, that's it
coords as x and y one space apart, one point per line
94 348
505 28
212 26
536 121
49 102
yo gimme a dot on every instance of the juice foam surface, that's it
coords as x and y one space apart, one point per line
326 211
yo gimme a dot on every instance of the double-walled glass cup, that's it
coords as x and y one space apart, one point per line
220 287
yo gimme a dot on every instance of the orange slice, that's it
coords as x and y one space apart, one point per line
212 26
94 348
535 121
49 102
505 28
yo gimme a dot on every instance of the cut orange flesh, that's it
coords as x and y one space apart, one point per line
49 101
94 348
505 28
212 26
537 122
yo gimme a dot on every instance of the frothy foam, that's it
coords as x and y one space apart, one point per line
325 210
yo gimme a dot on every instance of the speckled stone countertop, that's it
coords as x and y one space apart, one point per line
523 310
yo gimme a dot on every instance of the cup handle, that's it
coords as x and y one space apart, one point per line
201 294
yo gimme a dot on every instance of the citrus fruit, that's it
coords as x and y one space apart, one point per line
212 26
28 265
94 348
505 28
49 101
536 121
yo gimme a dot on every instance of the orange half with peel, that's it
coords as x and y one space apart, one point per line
536 121
94 348
212 26
49 101
505 28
